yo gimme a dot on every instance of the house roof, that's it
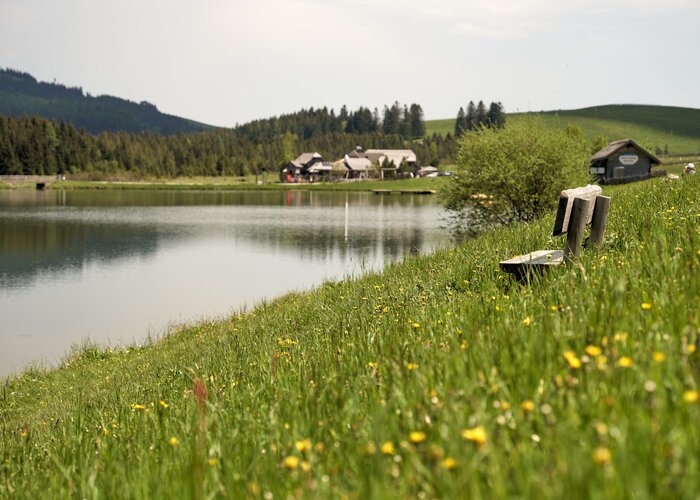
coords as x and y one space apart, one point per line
406 154
614 147
357 164
306 158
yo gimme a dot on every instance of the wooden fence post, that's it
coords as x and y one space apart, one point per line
577 226
600 219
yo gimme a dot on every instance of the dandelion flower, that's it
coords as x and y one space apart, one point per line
691 396
449 463
658 357
387 448
527 321
475 435
213 461
625 362
303 445
411 366
572 359
305 466
646 306
416 437
173 441
593 350
602 456
415 325
291 462
135 406
163 404
527 406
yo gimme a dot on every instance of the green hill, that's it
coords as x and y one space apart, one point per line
660 128
22 94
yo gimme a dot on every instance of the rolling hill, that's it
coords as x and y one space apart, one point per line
663 129
22 94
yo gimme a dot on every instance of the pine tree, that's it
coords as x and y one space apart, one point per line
471 116
417 121
460 123
481 117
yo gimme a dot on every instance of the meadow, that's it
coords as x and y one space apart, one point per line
439 377
674 129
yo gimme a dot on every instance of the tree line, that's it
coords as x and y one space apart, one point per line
477 116
39 146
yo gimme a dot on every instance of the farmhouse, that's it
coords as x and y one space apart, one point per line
307 167
357 168
622 161
388 161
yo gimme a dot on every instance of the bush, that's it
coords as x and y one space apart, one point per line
514 174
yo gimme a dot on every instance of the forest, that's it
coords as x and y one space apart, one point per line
38 146
48 128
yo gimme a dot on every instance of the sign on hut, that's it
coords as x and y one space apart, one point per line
622 161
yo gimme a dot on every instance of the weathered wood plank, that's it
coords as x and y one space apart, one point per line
577 225
600 220
539 260
566 202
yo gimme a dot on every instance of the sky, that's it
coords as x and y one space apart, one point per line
224 62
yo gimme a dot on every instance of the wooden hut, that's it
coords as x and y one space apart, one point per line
622 161
308 167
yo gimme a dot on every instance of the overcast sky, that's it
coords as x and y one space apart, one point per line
224 62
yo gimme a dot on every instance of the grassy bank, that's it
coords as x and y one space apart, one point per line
440 377
418 184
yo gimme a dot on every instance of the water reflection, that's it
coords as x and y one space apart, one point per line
116 265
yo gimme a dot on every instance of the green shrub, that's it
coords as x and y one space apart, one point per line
515 173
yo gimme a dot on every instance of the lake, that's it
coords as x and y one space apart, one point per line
118 267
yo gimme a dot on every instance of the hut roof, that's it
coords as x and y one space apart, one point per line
357 164
614 147
306 158
394 155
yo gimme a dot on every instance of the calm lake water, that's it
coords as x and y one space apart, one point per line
116 267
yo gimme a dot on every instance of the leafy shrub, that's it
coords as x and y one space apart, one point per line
514 174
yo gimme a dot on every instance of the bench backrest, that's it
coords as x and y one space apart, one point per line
566 202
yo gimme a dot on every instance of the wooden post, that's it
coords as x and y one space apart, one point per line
600 219
577 225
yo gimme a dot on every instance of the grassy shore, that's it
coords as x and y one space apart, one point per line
419 184
440 377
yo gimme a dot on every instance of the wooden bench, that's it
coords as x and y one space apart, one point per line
577 208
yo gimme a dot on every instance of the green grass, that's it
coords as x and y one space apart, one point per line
434 346
416 184
676 128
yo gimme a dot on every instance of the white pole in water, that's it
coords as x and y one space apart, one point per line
346 217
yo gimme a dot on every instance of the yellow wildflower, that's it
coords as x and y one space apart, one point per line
527 406
572 359
625 362
658 357
291 462
303 445
646 306
475 435
212 461
593 350
411 366
692 348
173 441
416 437
449 463
372 364
691 396
305 466
602 456
415 325
135 406
163 404
388 448
527 321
